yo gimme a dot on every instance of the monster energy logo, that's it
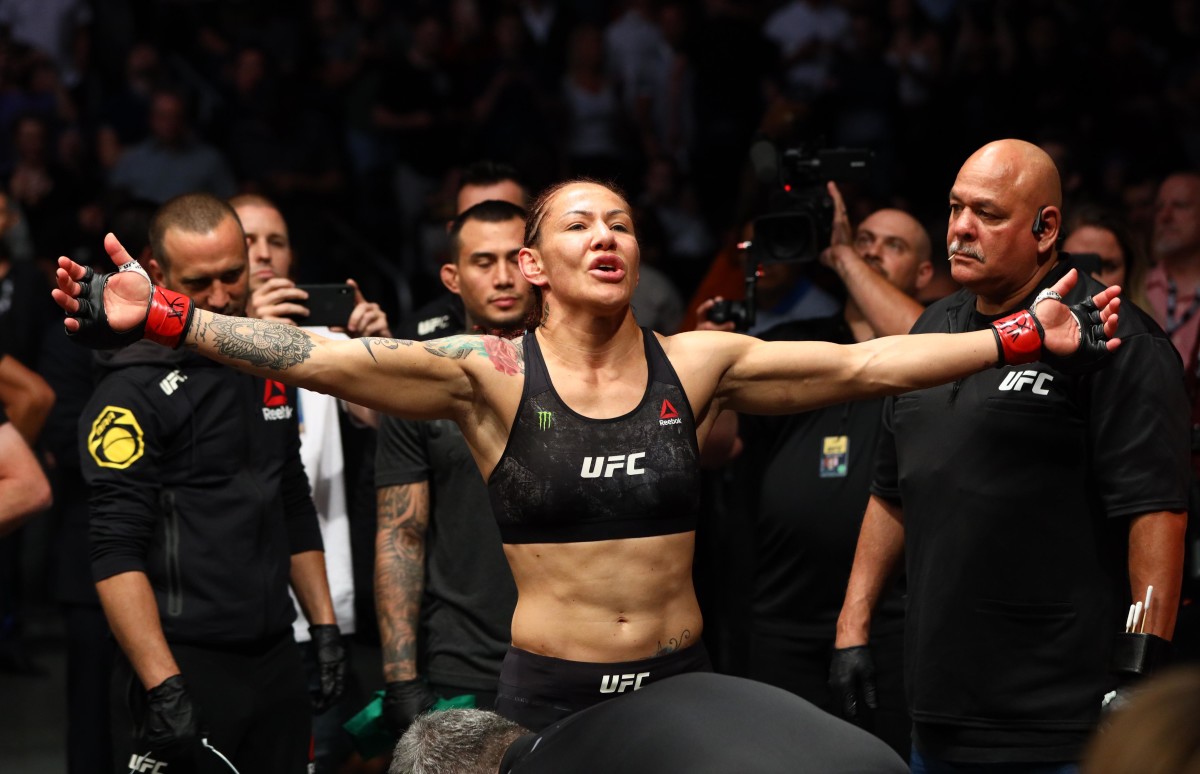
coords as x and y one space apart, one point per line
544 419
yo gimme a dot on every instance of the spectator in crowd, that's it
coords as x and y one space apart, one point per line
597 128
172 160
201 518
1122 260
275 297
444 592
124 114
415 109
1013 607
48 197
807 33
1173 285
58 28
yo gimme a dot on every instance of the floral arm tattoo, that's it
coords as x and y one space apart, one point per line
506 357
256 342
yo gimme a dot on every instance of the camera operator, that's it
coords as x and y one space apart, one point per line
785 292
803 551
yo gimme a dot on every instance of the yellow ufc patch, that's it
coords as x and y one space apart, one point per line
116 438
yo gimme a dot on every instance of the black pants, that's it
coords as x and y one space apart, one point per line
801 665
90 650
252 701
537 690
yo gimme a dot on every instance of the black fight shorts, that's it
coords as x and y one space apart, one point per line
537 690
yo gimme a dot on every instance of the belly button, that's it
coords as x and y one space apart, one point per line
622 619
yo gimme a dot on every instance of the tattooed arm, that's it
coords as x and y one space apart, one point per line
440 379
400 574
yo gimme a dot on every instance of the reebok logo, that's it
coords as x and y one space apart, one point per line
274 394
276 414
1015 381
593 466
170 383
618 683
667 415
275 405
144 763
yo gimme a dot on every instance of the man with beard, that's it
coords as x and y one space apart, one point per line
200 520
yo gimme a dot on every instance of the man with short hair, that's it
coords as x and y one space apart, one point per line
200 519
172 160
480 182
444 592
1016 595
1173 285
274 296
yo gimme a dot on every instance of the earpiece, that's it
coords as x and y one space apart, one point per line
1039 225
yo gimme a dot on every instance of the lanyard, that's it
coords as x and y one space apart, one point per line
1174 324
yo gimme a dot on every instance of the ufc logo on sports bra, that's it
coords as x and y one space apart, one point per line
618 683
1018 380
594 466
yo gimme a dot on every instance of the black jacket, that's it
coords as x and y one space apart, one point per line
196 480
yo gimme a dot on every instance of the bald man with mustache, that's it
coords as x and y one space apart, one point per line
1021 560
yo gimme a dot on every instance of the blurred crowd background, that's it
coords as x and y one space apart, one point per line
357 115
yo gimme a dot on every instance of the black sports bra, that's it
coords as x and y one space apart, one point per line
565 478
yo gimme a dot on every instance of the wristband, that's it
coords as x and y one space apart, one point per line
1018 338
168 316
1136 654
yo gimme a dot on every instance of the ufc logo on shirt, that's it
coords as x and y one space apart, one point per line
1019 380
593 466
144 763
618 683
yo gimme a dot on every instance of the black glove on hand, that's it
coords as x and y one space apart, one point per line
331 663
403 701
1093 349
94 330
171 727
851 675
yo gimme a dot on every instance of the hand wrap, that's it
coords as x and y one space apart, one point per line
403 701
851 676
1018 338
171 725
331 663
168 314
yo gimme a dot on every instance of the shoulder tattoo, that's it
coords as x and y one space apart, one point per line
506 357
